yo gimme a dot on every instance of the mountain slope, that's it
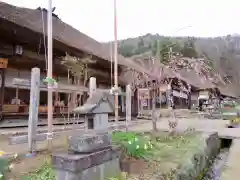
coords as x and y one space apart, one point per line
224 52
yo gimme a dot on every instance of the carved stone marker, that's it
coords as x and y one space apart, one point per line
88 144
89 158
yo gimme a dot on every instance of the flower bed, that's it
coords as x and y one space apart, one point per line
152 156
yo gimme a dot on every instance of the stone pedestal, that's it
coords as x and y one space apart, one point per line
88 144
89 158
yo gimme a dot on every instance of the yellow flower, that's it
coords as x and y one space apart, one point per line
2 153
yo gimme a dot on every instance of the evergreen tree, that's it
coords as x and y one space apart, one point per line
161 49
140 43
189 49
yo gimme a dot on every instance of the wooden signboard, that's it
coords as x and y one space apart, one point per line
144 94
204 93
3 63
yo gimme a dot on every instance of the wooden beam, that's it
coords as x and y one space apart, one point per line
61 87
2 91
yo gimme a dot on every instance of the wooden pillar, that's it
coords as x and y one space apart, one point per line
17 89
149 98
92 86
2 92
138 102
128 104
189 97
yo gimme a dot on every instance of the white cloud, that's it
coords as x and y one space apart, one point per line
138 17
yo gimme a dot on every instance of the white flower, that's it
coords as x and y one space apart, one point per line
11 166
137 147
1 175
15 155
136 139
151 146
145 146
129 142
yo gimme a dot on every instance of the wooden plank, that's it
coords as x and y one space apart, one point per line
61 87
22 139
3 63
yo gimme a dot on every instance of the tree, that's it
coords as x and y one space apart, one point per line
161 49
140 43
79 67
189 49
126 50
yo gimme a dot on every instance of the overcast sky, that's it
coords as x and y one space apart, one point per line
138 17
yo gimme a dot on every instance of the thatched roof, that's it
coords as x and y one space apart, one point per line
187 75
191 77
229 90
62 32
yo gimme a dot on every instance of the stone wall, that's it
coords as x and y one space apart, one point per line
201 160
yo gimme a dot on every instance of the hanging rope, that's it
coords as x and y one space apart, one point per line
44 41
111 58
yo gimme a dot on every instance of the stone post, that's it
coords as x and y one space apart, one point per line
92 86
89 158
33 109
128 104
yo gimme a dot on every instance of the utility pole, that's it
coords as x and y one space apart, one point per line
115 62
49 75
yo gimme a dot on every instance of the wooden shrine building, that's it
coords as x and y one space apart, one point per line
23 45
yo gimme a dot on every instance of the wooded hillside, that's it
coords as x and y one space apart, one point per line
222 53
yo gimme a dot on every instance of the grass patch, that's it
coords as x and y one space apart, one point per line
43 173
4 164
163 153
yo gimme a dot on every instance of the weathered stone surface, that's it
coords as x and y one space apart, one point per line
89 143
100 121
78 162
102 171
201 160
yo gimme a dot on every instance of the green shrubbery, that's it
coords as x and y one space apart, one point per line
4 163
134 145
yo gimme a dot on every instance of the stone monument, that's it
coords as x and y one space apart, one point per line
90 157
96 110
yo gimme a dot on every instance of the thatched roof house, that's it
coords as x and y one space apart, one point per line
63 34
154 66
